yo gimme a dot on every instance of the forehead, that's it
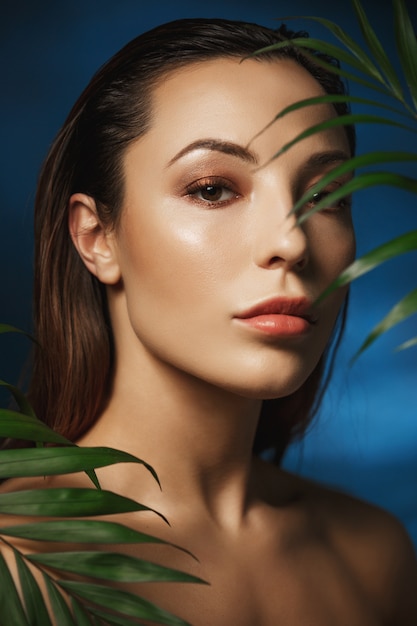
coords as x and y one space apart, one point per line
224 87
233 100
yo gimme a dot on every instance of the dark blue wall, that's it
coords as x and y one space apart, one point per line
366 438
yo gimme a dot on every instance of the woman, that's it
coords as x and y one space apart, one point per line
176 320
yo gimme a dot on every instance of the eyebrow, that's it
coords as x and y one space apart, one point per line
216 145
314 162
328 157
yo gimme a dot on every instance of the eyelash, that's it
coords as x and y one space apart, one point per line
222 184
216 183
342 205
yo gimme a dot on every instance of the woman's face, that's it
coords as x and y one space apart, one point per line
217 280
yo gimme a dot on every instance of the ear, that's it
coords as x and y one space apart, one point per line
94 243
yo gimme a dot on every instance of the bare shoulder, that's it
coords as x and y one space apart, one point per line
374 545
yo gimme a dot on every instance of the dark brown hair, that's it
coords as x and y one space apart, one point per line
72 368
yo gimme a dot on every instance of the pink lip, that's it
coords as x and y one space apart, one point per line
280 317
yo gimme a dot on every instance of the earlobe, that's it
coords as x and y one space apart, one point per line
94 243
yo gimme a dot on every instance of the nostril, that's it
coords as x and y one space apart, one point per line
300 265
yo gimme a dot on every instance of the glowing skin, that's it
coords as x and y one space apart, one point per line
192 260
210 286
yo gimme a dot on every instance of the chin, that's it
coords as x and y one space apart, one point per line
270 388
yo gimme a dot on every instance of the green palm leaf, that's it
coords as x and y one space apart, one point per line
20 399
337 52
111 566
377 50
407 344
83 531
34 602
121 601
406 46
62 460
364 160
60 608
403 309
112 619
27 426
359 183
361 63
372 67
368 66
20 426
80 615
11 609
400 245
333 99
7 328
67 502
341 120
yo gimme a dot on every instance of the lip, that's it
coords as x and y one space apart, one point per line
280 316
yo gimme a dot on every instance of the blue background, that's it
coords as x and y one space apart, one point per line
365 440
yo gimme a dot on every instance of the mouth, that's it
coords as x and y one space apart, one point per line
280 317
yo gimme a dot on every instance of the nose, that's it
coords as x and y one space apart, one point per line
281 241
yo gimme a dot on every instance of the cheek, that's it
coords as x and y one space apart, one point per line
332 249
332 245
171 259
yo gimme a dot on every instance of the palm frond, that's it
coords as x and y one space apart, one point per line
377 50
110 605
406 307
406 46
375 70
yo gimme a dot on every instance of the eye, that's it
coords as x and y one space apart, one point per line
211 191
344 203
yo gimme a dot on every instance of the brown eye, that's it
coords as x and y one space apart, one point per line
343 203
317 197
211 192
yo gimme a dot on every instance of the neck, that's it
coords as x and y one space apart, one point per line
197 437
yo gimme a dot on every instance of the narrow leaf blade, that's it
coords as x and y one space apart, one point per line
341 120
11 608
7 328
121 601
359 183
63 460
112 566
80 614
112 618
403 309
19 426
377 49
84 531
33 599
406 46
322 46
60 609
80 531
369 159
410 343
20 398
368 66
334 99
68 502
400 245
